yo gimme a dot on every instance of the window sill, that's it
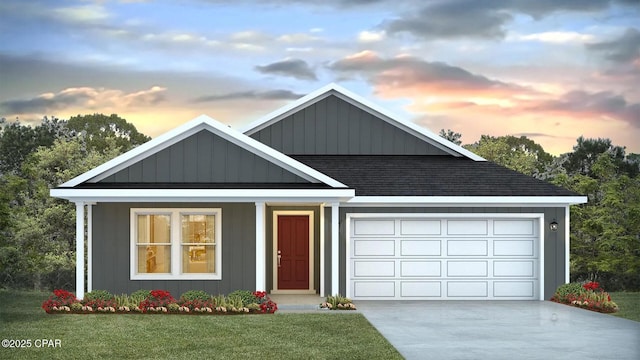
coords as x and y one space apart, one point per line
176 277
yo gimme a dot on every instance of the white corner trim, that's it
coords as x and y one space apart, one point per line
567 244
365 105
261 241
203 122
465 200
80 250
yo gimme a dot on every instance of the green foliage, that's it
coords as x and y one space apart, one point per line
98 295
520 154
192 295
140 294
452 136
564 290
246 296
102 131
338 302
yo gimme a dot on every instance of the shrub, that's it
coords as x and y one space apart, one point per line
247 297
192 295
587 296
143 294
61 300
157 299
338 302
98 295
563 291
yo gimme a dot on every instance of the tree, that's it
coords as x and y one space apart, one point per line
586 152
98 128
18 141
519 154
452 136
605 232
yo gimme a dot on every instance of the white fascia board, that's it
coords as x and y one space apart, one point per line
404 201
202 122
204 195
366 105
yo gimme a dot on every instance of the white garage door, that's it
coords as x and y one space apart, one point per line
458 258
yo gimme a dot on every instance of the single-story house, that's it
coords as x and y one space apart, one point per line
329 194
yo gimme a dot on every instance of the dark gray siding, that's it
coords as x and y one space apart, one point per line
332 126
111 248
203 158
316 238
554 251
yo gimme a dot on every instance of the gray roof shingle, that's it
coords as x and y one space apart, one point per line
401 175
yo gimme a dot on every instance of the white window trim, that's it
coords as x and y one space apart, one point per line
176 257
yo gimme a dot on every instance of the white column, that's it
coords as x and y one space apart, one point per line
80 250
260 247
335 248
322 287
89 244
567 244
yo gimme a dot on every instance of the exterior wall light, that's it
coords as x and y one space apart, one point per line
553 226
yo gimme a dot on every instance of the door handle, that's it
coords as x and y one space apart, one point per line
279 256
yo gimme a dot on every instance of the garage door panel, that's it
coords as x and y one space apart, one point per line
467 247
420 247
420 227
478 289
513 247
374 268
374 248
511 289
513 227
374 227
513 268
467 227
374 289
421 289
467 268
420 268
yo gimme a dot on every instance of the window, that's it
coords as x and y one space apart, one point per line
176 244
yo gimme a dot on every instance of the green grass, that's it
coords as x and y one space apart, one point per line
629 304
127 336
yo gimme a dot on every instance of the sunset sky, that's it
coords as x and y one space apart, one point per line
551 70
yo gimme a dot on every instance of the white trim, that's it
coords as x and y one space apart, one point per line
464 200
261 266
309 214
176 253
567 244
202 122
322 255
204 195
335 248
90 247
80 250
365 105
537 216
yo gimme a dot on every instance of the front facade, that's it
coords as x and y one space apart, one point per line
328 195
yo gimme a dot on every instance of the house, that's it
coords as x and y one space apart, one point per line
330 194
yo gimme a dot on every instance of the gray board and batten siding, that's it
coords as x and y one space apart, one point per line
554 241
111 250
333 126
203 158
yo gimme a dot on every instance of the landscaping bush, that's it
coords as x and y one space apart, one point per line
246 296
587 296
60 301
195 295
338 302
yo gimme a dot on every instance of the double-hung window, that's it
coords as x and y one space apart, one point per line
176 244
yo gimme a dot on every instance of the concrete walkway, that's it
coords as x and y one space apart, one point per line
501 330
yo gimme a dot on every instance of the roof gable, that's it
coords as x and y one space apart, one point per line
436 144
123 167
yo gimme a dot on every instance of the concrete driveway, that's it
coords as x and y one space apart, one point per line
501 330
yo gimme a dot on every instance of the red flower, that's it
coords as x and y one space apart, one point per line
591 286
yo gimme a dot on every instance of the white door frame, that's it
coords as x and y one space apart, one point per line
309 214
537 216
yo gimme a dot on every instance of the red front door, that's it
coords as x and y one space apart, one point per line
293 252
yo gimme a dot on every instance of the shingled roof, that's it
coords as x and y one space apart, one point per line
392 175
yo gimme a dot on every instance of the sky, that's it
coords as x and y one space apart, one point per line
551 70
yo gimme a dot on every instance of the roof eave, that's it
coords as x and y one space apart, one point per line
466 201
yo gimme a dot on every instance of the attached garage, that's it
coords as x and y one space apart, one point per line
455 257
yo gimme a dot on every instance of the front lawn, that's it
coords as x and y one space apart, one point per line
127 336
629 304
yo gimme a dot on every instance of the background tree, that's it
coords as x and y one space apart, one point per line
451 135
508 151
97 128
586 152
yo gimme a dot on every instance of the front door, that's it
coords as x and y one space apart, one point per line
293 252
